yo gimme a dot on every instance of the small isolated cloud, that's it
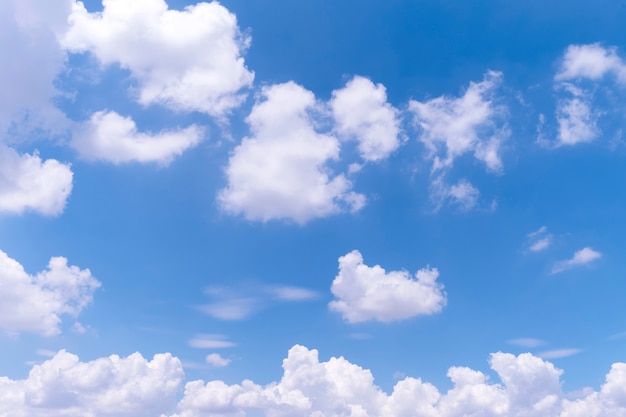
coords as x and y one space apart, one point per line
211 341
362 113
582 257
189 60
243 301
112 138
592 62
216 361
472 123
28 183
462 194
526 342
558 353
36 303
282 171
111 386
370 293
577 122
453 126
583 64
539 240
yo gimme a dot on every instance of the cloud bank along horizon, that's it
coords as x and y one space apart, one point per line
199 204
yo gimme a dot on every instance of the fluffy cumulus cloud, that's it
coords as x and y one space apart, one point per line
28 31
592 62
189 60
216 360
28 183
370 293
113 138
362 113
528 387
36 303
583 64
282 170
106 387
581 257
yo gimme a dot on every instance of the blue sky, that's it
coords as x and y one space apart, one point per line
408 208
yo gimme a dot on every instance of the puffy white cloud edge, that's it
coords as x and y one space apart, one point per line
113 138
577 119
28 183
187 60
366 293
36 303
281 171
106 387
527 386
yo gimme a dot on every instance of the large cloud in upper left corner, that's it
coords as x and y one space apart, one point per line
188 60
32 59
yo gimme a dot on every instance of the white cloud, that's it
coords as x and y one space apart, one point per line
244 300
539 240
35 303
210 341
609 401
592 62
362 113
462 194
540 244
106 387
370 293
33 59
472 123
216 360
113 138
528 387
577 119
27 183
581 257
558 353
281 171
188 60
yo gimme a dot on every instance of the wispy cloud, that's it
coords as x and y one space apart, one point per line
539 239
210 341
243 301
558 353
582 257
617 336
527 342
